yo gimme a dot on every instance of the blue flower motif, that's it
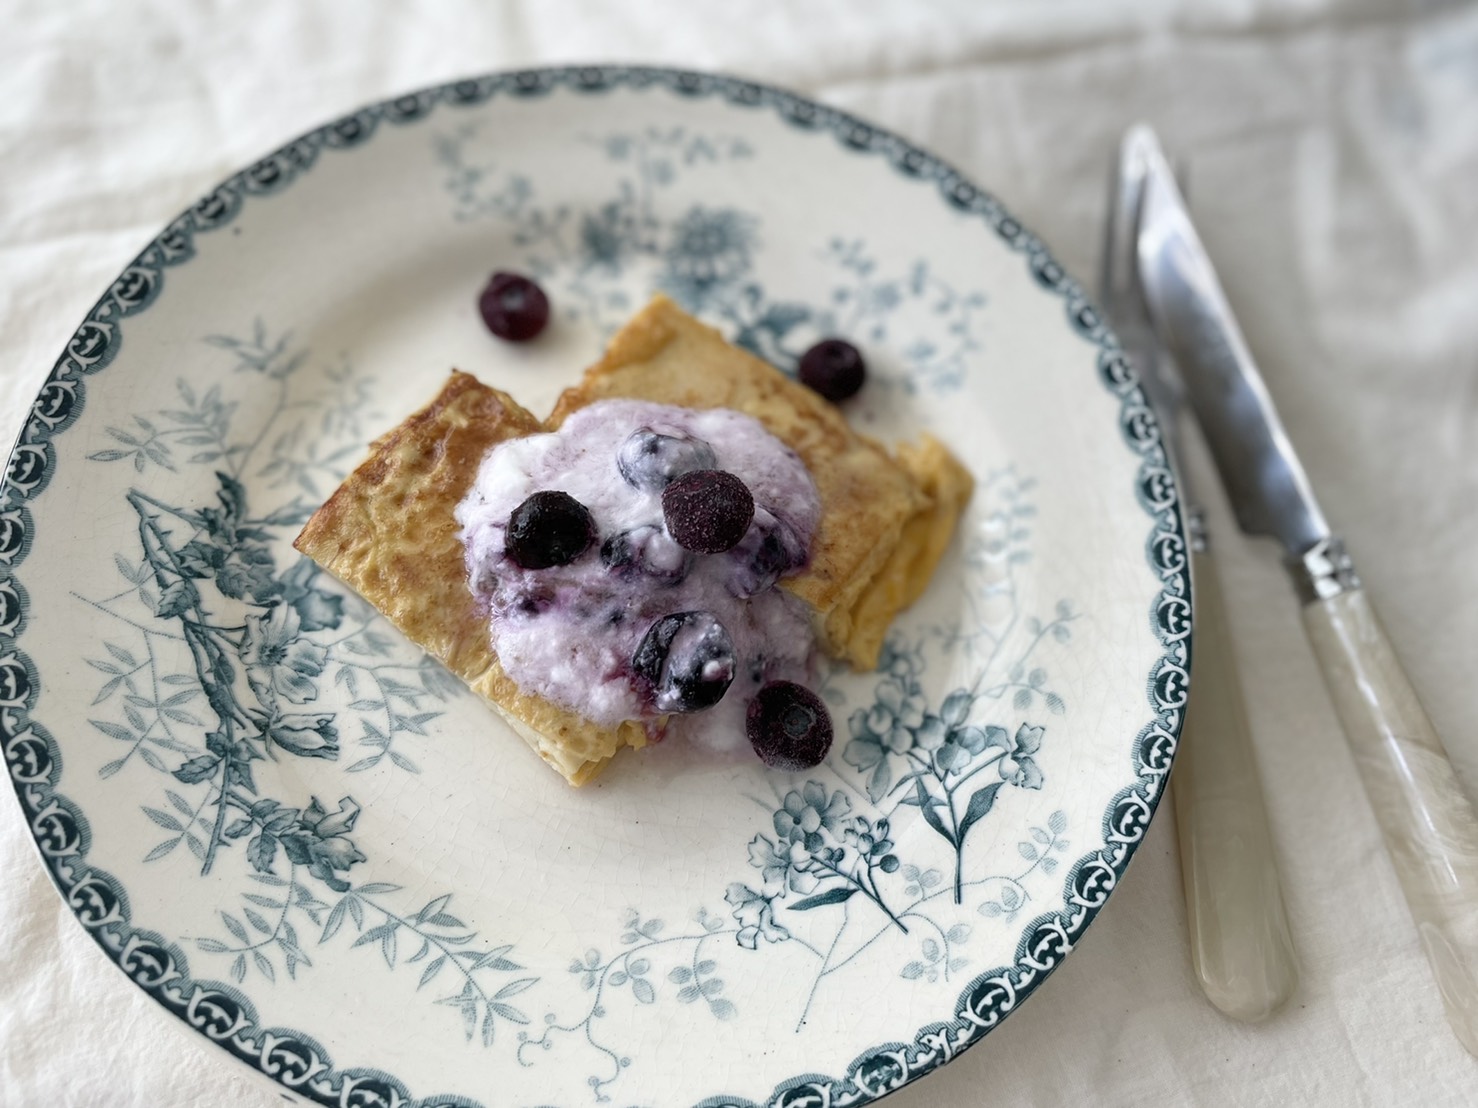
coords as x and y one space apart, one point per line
771 861
279 661
871 841
317 610
952 741
900 663
960 745
314 837
888 727
1017 765
606 239
708 250
787 865
895 724
805 814
318 840
308 735
755 913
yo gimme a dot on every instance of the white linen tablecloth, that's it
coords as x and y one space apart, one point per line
1333 154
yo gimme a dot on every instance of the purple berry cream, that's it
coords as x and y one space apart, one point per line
628 564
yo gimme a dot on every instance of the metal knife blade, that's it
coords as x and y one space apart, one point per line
1267 485
1120 295
1241 946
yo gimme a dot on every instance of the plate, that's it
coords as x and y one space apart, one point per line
310 845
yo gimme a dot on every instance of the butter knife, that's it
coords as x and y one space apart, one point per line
1429 825
1241 947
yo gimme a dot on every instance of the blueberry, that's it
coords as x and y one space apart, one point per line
549 529
707 511
687 661
647 549
834 368
767 552
650 460
513 307
530 604
788 726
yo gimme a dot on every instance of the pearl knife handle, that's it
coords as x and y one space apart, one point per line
1428 823
1241 947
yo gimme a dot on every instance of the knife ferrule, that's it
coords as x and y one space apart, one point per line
1323 571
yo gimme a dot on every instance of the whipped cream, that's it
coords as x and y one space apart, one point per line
569 633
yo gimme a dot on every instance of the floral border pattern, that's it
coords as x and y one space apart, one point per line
301 1065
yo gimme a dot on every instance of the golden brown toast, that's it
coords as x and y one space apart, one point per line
885 522
390 534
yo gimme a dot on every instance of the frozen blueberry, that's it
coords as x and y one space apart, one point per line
834 368
513 307
647 549
529 603
788 726
549 529
687 660
650 460
707 511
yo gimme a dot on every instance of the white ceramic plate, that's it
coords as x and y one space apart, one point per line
308 843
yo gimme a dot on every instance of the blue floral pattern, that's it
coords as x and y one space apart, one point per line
703 258
827 850
217 655
291 634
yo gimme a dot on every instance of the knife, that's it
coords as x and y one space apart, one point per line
1428 823
1241 947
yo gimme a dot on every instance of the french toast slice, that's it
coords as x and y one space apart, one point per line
390 533
885 520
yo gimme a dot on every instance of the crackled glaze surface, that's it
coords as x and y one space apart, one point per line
299 836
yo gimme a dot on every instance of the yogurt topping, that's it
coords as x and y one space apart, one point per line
600 636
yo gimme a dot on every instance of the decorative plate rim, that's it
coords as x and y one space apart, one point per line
297 1062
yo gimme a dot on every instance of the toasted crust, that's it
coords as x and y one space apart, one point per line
884 521
947 486
390 533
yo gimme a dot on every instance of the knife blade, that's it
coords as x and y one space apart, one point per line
1241 945
1429 826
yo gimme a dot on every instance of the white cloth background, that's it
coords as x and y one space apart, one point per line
1333 154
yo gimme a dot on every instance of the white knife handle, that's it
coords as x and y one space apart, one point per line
1428 823
1241 947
